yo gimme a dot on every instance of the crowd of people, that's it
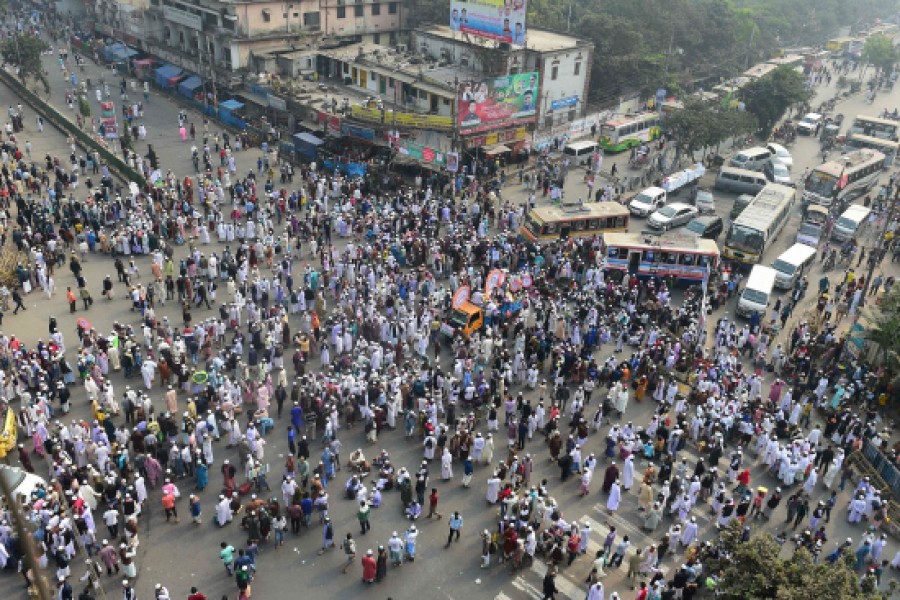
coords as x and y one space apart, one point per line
321 304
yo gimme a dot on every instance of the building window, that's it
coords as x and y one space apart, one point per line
311 19
341 12
376 38
554 72
266 15
577 68
376 9
392 8
358 11
393 39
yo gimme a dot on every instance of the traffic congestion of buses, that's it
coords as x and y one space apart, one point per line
681 237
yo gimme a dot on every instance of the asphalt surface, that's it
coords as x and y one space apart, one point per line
184 555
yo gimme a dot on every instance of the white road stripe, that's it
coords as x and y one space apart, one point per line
564 585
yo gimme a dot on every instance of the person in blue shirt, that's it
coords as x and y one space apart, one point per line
456 523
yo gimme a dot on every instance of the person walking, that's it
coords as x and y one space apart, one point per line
227 556
432 504
370 567
363 515
349 547
549 587
168 503
17 298
456 523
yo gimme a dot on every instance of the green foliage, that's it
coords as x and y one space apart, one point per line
703 124
755 570
84 107
770 96
883 330
879 51
24 51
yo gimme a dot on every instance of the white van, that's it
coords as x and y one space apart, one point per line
789 267
20 483
740 181
580 152
851 222
752 159
756 294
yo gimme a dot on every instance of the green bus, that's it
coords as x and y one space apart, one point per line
622 133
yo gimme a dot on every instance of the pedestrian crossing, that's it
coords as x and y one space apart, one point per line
570 580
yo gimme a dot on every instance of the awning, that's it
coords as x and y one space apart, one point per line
187 87
308 138
499 149
118 52
165 74
231 105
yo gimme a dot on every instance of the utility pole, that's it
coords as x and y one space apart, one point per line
18 522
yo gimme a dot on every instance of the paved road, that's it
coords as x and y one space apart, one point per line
184 554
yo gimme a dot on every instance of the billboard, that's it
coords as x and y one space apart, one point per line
495 101
501 20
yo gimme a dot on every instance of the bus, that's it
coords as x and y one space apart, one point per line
858 141
759 224
839 181
838 46
875 127
547 223
685 257
617 135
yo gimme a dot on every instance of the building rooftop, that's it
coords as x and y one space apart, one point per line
539 40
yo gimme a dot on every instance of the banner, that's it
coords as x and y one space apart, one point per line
333 123
563 103
453 162
501 20
419 152
497 101
403 119
494 280
9 434
108 120
363 133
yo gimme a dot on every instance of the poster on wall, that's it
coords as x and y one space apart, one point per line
501 20
453 162
498 100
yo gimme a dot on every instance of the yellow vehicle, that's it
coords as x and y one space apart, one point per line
547 223
465 319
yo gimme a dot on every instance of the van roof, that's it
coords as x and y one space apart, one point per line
761 277
754 150
739 171
577 146
797 254
856 210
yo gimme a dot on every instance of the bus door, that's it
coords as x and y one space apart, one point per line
564 230
634 261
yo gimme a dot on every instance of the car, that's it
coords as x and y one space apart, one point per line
21 483
780 154
709 226
810 124
647 201
672 215
705 202
778 173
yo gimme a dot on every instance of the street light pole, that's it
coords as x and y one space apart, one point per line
15 511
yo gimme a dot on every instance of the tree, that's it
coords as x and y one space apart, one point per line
884 331
771 95
25 51
700 125
879 51
753 569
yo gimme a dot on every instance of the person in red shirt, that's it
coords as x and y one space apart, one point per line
195 595
642 593
370 567
432 504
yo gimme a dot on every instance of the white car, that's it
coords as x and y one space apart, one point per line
810 124
20 482
672 215
647 201
780 154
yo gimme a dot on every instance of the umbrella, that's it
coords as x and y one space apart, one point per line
84 324
200 377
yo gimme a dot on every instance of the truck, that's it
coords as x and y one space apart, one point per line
654 198
467 317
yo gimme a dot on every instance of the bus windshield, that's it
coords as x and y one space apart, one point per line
745 238
458 318
755 296
821 184
810 229
533 225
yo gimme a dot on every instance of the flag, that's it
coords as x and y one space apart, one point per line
10 433
843 180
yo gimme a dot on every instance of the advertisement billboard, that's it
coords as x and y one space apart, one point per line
496 101
501 20
402 119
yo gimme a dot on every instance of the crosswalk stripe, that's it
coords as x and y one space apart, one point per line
501 596
523 586
565 586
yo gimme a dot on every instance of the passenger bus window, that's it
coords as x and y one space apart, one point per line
614 253
670 258
550 228
579 225
621 221
649 256
687 259
594 224
704 260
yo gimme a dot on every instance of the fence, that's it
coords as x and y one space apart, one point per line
885 468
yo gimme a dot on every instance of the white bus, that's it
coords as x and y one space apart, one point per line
858 141
622 133
875 127
839 181
759 224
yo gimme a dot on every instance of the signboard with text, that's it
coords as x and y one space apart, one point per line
401 119
488 103
500 20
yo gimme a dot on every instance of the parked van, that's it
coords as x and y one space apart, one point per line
758 291
741 181
740 203
789 267
850 223
580 152
813 226
752 159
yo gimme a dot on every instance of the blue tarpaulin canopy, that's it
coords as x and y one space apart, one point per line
187 87
308 139
165 74
118 52
231 105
